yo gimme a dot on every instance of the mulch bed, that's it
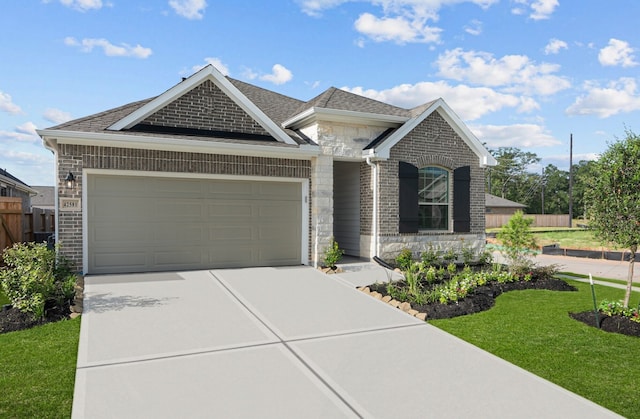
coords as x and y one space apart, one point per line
613 324
12 319
482 298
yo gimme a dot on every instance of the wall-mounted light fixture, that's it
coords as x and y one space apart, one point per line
70 180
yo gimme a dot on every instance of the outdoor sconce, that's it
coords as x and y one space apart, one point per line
70 180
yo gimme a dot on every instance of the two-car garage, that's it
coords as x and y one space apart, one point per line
159 223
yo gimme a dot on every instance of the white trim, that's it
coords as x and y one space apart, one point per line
304 193
314 114
383 150
207 73
301 152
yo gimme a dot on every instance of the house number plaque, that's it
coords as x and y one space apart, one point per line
70 204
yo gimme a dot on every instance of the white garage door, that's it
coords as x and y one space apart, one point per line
143 224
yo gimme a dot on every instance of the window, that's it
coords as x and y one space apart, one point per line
433 198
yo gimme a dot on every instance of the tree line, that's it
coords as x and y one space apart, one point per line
546 192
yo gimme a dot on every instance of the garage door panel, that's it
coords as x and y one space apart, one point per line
118 261
170 224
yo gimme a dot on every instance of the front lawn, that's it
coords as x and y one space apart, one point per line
532 329
37 370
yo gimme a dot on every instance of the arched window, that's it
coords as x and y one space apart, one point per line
433 198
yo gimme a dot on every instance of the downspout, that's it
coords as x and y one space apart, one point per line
376 242
56 210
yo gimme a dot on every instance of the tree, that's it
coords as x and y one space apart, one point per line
510 178
582 173
518 242
613 198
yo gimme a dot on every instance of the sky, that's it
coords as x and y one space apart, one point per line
519 73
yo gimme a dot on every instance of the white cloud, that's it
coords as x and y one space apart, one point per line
401 21
280 75
554 46
474 28
25 133
540 9
516 135
469 103
617 53
516 73
617 97
7 105
190 9
83 5
32 164
397 29
214 61
56 116
109 49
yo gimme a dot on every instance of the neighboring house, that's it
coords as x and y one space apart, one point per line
216 172
11 186
496 205
45 197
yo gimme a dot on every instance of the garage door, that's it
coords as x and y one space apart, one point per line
143 224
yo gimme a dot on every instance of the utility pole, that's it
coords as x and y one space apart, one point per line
570 180
542 191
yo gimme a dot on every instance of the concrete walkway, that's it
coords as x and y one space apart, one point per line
285 343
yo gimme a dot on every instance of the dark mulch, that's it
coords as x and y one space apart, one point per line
614 324
12 319
482 298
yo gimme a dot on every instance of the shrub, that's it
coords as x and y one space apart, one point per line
405 259
431 256
35 278
332 254
518 242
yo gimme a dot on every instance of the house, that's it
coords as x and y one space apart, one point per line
45 197
496 205
11 186
215 172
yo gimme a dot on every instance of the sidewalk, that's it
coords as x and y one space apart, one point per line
596 267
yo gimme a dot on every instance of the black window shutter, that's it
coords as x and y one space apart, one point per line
408 197
462 199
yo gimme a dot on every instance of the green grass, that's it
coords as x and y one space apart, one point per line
533 330
37 370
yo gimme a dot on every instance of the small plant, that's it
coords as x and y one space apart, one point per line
518 242
485 257
413 280
468 255
449 256
617 308
405 259
332 254
452 269
36 278
431 275
431 256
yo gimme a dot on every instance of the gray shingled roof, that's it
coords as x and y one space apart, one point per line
276 106
497 202
338 99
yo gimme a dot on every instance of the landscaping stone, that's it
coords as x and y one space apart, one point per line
421 316
394 303
386 298
413 312
405 306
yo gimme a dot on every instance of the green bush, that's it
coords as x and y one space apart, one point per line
518 242
36 278
405 259
332 254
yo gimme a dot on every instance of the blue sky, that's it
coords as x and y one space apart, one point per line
522 73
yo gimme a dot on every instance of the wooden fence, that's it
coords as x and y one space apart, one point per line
17 226
539 220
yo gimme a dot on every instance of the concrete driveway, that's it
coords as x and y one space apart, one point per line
285 343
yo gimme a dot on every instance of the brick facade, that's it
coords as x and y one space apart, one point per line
432 142
205 107
75 158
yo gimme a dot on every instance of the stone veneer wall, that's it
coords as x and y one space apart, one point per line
433 142
74 158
